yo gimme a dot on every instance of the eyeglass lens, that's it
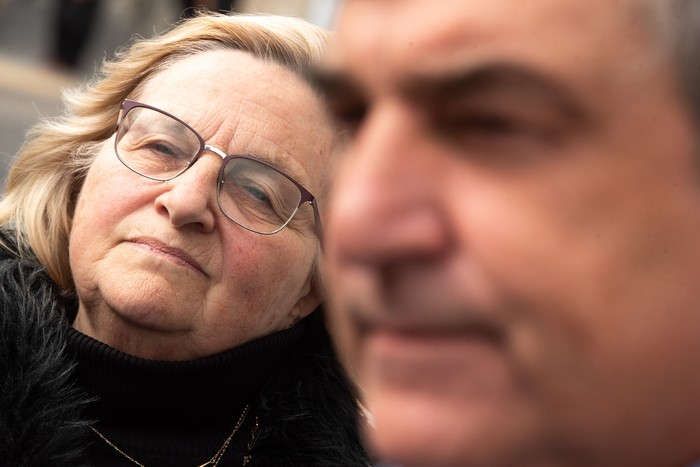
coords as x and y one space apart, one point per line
250 193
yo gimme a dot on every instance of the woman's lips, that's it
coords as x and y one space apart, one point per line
174 254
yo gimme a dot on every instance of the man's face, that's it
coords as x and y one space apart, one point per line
514 238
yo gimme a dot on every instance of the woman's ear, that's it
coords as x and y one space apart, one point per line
306 305
314 296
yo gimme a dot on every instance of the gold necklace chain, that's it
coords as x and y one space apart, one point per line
214 461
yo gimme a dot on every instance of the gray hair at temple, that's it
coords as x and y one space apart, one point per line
678 25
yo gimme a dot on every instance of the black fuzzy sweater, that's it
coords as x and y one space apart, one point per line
56 382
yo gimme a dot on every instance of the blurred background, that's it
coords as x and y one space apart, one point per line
48 45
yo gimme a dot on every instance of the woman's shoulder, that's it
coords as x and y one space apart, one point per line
38 405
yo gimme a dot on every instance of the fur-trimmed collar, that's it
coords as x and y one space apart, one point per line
40 410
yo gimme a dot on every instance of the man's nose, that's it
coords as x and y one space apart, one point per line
191 197
385 207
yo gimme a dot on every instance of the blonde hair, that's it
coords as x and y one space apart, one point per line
44 181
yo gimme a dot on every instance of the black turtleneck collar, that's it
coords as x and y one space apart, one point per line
175 413
136 390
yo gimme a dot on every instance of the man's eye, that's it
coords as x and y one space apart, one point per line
482 125
348 114
493 125
496 128
500 138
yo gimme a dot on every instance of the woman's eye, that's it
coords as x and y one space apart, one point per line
257 193
162 148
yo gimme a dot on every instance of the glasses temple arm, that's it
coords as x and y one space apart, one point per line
317 220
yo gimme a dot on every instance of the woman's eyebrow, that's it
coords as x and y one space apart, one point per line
282 162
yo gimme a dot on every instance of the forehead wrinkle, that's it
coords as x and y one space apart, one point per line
217 129
287 127
255 136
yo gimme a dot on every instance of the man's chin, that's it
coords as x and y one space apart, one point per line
414 433
418 427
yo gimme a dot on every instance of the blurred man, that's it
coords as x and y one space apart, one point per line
514 241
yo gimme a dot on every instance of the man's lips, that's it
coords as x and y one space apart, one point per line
429 326
177 255
452 355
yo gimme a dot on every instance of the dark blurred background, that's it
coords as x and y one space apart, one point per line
47 46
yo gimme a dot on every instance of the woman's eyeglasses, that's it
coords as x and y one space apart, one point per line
250 192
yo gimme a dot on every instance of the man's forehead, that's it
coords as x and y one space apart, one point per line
385 37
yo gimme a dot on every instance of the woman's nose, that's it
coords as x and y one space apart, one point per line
190 199
383 208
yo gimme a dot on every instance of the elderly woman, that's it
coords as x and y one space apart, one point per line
160 291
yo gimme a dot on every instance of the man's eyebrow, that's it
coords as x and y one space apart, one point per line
334 83
492 77
437 89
